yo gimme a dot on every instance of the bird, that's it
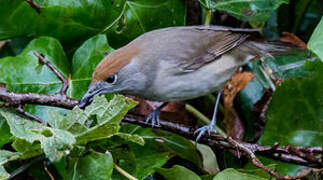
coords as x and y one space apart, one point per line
176 64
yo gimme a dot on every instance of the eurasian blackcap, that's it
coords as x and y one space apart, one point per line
176 63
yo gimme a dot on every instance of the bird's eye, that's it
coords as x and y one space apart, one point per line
112 79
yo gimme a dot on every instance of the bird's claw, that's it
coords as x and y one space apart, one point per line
154 118
200 131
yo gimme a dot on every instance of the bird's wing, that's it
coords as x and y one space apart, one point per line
221 45
191 47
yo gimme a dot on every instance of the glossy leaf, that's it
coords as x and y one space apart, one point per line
315 44
96 166
25 73
132 138
254 11
173 143
180 172
180 146
302 98
69 21
209 162
140 16
282 67
231 173
159 147
84 61
139 160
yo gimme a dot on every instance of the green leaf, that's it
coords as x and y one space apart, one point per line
3 173
179 145
302 98
209 162
54 142
68 21
180 172
25 73
254 11
74 121
27 149
108 117
6 156
158 149
252 169
4 131
231 173
85 59
94 166
315 44
282 67
140 16
132 138
125 158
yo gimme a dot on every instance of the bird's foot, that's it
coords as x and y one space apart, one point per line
207 128
154 118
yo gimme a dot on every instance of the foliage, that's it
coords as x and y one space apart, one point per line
315 43
87 144
254 11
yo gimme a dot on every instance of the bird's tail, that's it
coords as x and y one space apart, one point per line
270 49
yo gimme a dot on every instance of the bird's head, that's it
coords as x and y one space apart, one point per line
117 72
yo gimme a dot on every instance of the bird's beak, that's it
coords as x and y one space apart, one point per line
88 98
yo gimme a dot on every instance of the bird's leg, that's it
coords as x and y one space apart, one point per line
210 127
154 116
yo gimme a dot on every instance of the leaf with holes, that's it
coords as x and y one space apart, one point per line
108 117
54 142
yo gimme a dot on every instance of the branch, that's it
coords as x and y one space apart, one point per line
34 5
18 99
296 155
281 153
58 74
20 109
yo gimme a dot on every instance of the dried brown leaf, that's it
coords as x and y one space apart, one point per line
238 82
293 39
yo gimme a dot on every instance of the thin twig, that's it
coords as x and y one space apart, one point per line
53 68
308 172
253 157
20 109
124 173
48 172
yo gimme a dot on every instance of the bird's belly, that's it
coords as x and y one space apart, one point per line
205 80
